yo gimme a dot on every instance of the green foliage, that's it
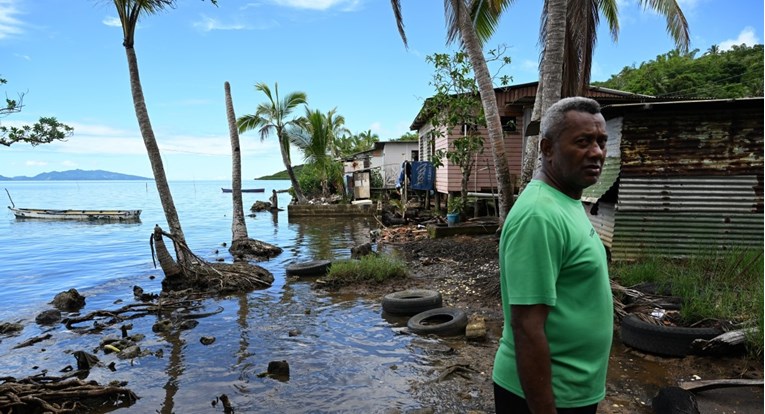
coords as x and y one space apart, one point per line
371 268
45 130
408 136
455 204
735 73
723 285
348 145
282 175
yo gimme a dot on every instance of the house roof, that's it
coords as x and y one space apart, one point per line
524 94
613 110
377 146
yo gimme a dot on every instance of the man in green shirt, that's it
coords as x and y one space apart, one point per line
556 295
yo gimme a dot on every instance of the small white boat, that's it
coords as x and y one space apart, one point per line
84 215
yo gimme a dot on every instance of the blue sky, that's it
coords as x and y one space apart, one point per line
67 57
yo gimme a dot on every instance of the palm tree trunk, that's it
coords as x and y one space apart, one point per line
155 159
489 102
238 225
550 81
288 166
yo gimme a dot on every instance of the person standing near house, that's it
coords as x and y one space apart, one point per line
556 294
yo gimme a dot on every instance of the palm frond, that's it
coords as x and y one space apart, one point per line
677 25
248 122
396 5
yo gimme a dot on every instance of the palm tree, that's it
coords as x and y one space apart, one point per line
272 116
337 129
188 270
314 137
472 35
580 19
129 12
242 246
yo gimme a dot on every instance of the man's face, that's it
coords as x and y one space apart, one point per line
575 160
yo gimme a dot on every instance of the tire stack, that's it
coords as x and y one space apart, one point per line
426 311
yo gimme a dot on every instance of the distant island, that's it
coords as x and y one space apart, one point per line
282 175
76 175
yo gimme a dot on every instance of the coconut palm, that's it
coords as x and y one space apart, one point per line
242 246
187 270
314 137
129 12
272 116
460 25
580 19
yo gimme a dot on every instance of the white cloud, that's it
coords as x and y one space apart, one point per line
69 164
25 57
32 163
207 24
112 21
528 65
343 5
746 36
9 24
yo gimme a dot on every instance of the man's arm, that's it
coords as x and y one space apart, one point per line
532 354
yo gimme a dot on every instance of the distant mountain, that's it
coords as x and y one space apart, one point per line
282 175
76 175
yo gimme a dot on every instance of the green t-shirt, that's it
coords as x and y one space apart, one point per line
550 254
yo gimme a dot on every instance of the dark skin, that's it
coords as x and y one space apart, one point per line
570 163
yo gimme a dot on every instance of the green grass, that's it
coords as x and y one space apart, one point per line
371 268
722 285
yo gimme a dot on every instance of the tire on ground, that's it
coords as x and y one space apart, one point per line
310 268
411 301
439 321
660 339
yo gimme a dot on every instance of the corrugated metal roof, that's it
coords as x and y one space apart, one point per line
612 165
685 216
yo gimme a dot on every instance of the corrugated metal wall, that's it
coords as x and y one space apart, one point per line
684 216
691 178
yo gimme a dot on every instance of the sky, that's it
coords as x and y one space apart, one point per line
67 58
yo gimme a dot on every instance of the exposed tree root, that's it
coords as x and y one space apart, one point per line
60 395
251 249
199 275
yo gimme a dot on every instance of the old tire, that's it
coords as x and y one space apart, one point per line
660 339
439 321
310 268
411 301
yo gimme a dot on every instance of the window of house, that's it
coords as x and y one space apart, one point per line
508 123
415 155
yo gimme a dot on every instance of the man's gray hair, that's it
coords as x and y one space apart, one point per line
554 119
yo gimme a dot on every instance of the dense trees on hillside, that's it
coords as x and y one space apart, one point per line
734 73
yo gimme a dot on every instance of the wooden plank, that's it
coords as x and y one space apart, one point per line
697 386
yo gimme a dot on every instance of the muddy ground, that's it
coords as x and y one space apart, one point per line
465 270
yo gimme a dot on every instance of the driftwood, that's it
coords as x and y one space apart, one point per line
32 341
727 343
697 386
60 395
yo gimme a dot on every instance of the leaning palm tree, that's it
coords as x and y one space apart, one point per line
580 19
472 36
242 246
272 116
186 270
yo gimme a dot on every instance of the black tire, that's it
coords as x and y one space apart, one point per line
411 302
662 340
439 321
311 268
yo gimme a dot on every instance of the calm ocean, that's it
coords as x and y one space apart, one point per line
341 360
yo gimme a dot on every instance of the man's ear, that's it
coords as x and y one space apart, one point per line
545 147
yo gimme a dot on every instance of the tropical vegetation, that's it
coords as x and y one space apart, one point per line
733 73
274 116
45 130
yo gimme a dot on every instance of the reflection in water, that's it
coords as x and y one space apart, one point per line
329 237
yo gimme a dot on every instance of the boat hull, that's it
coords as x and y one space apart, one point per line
245 190
82 215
